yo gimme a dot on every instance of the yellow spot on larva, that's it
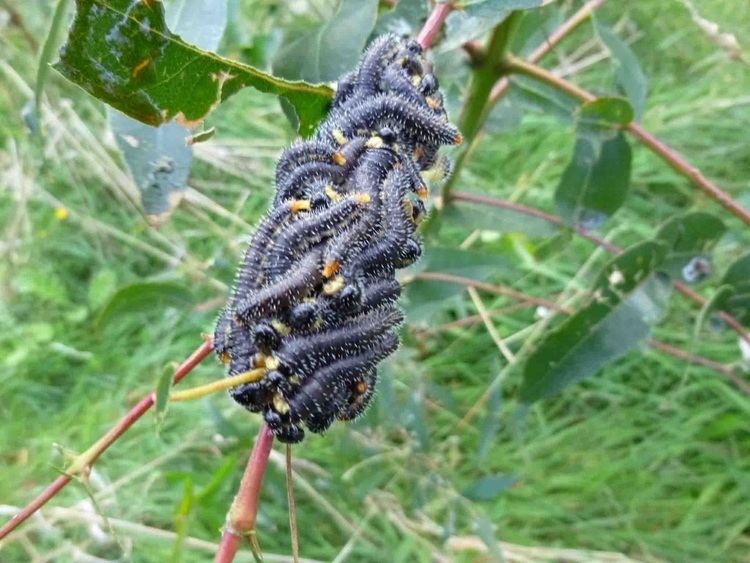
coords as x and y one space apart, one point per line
279 404
338 136
415 80
272 363
334 286
224 358
362 198
299 205
332 194
139 67
330 268
339 158
374 142
61 213
280 327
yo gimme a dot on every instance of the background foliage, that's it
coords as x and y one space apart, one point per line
649 458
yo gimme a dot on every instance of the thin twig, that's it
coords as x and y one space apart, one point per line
290 503
433 24
82 463
241 516
666 153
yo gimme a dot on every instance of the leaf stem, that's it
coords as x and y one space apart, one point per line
244 509
666 153
82 463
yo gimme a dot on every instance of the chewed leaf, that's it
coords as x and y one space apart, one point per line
122 52
628 299
596 182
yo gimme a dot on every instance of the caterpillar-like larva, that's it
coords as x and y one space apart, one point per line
314 300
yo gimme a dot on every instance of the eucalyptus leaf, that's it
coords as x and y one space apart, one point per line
475 18
325 52
627 300
717 302
690 238
602 118
595 183
475 216
143 297
123 53
738 278
161 395
629 76
405 18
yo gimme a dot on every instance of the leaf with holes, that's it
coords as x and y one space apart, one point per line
690 238
596 182
627 300
124 53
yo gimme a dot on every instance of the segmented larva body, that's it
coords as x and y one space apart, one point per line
314 300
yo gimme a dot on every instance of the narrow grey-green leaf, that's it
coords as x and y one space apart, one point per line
628 299
325 52
690 238
534 95
473 216
161 395
717 302
487 488
405 18
596 182
158 158
629 76
143 297
475 18
738 278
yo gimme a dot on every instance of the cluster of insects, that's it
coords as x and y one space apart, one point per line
313 304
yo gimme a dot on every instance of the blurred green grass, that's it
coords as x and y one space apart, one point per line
651 458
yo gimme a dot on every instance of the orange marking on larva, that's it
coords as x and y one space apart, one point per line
330 268
458 139
422 192
418 152
339 159
224 358
139 67
360 388
432 103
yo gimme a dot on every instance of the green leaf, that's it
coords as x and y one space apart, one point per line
45 56
491 424
629 76
161 395
596 182
717 302
325 52
738 278
603 118
123 53
159 158
628 299
143 297
534 95
689 238
405 18
181 517
477 18
487 488
101 287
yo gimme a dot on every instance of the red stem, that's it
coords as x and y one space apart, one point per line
85 460
241 516
433 24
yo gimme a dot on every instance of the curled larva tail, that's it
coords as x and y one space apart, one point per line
314 300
